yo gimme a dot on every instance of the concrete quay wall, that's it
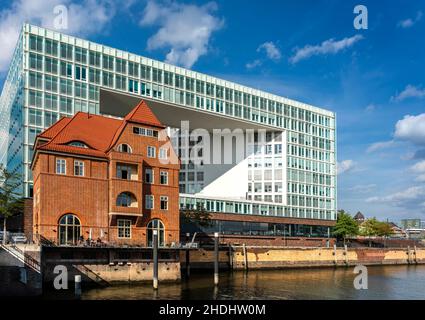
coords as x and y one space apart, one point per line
255 257
310 257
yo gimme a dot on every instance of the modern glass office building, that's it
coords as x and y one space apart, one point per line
54 75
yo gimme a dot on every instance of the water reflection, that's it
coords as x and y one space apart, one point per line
385 282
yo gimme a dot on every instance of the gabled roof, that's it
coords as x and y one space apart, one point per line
143 114
98 133
359 216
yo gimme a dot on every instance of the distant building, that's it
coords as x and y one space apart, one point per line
397 232
412 224
359 217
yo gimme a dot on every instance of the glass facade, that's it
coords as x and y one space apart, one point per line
257 229
12 116
54 75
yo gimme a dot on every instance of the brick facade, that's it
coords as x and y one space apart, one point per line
92 198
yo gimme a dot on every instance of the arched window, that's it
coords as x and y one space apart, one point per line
69 229
157 225
124 148
126 199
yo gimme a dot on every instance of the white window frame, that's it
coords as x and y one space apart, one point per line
130 149
150 197
163 153
124 227
61 162
150 148
80 165
163 198
161 174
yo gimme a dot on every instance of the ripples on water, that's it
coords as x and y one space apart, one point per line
385 282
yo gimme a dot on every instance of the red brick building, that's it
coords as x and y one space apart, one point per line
106 179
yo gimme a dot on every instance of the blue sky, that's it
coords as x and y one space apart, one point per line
306 50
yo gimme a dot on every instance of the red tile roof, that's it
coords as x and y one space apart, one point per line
98 133
50 132
144 115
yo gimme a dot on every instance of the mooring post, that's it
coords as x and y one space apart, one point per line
335 258
216 257
77 281
346 254
23 275
328 242
230 257
155 259
416 259
408 254
187 255
245 256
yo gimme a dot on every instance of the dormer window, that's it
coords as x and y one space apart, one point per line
78 144
124 148
145 132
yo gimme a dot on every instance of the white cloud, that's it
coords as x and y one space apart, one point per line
419 167
411 128
272 51
409 92
84 18
410 22
412 197
379 146
330 46
184 29
362 188
370 108
420 178
253 64
345 166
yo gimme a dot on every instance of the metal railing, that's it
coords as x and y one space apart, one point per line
22 256
53 242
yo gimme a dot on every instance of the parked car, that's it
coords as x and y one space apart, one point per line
19 238
7 236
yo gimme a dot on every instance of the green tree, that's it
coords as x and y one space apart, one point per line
369 228
200 216
374 227
383 229
11 201
345 226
